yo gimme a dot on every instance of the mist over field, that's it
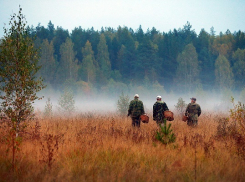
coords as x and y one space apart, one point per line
104 104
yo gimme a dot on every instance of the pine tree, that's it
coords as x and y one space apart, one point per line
165 134
239 68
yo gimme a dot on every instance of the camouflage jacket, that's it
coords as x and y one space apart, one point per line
136 108
158 108
193 111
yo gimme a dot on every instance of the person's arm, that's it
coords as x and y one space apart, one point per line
130 108
165 107
187 110
142 110
199 111
154 110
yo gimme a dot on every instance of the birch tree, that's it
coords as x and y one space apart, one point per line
47 61
89 64
223 73
18 81
68 64
103 57
187 74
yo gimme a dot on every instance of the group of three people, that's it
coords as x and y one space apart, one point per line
136 109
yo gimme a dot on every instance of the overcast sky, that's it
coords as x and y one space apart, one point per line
164 15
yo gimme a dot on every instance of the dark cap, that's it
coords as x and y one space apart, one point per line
193 98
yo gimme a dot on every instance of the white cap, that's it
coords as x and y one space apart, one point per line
159 97
136 95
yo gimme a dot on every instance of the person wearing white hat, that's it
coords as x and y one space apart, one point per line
135 110
158 109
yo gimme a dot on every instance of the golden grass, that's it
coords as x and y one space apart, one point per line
107 148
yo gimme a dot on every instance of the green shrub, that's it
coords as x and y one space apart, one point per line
122 104
237 115
48 111
67 103
180 106
165 134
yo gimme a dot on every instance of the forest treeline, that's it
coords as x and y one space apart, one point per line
110 60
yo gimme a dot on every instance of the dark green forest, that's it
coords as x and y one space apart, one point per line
116 60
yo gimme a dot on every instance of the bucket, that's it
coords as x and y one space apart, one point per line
169 115
184 118
144 118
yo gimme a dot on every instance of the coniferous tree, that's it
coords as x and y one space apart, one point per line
139 34
79 38
239 68
51 31
168 49
132 54
125 38
113 54
60 37
239 38
93 38
206 60
146 60
42 32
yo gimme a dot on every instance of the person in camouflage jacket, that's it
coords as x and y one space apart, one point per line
135 110
158 110
193 111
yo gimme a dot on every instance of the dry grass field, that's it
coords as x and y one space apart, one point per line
92 147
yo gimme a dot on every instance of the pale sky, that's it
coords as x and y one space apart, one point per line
164 15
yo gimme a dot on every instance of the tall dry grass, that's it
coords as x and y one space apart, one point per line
92 147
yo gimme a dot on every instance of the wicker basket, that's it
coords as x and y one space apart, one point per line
184 118
169 115
144 118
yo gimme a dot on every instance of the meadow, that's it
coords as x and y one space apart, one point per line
105 147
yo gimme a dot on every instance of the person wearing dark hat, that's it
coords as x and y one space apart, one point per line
193 111
158 109
135 110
